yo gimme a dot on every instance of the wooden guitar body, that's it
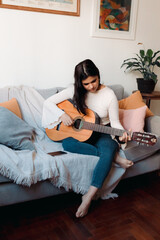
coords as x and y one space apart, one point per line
61 131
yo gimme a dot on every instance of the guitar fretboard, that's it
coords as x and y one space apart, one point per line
103 129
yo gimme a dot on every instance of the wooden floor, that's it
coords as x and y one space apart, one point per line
134 215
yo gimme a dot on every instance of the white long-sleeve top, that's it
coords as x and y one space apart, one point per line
103 102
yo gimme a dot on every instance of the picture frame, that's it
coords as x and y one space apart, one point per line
113 31
65 7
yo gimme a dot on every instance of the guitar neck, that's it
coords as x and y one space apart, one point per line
103 129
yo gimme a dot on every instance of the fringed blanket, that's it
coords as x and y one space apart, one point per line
71 171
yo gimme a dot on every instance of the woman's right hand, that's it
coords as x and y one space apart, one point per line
66 119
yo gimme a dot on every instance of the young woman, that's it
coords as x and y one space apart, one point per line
88 92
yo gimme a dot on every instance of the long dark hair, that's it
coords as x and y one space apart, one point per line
83 70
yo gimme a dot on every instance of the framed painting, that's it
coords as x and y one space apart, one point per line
114 18
66 7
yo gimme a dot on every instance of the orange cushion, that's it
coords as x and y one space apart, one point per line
134 101
13 106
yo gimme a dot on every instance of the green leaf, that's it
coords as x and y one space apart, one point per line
131 59
142 53
149 53
156 60
157 64
155 54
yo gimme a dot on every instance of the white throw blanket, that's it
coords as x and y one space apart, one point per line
71 171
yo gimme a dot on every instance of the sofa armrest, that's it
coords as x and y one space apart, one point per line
152 124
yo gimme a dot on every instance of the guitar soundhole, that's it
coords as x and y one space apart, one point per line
77 124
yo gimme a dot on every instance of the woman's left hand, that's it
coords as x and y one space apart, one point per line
125 137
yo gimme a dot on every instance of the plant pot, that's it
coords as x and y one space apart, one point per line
145 86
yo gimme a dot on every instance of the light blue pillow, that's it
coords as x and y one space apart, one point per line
14 132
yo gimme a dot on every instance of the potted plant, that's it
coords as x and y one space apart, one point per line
144 63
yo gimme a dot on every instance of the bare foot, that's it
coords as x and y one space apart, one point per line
123 162
83 208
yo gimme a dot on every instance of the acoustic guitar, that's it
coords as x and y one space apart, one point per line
84 126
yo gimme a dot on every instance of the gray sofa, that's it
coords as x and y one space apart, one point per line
11 193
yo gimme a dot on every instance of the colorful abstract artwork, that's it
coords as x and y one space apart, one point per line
114 18
115 14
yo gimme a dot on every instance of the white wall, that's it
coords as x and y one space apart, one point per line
41 50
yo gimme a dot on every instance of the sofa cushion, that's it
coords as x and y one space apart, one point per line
13 106
134 101
48 92
15 133
118 90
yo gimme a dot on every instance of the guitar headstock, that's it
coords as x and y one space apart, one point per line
145 138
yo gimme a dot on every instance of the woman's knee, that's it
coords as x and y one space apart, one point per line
107 154
110 145
115 145
69 143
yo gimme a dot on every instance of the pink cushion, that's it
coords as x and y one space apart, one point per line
133 118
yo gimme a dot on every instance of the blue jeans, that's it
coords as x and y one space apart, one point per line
101 145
